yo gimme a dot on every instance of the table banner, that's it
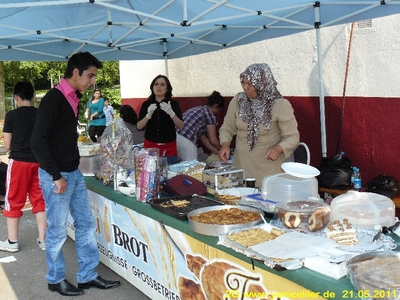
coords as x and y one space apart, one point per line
165 263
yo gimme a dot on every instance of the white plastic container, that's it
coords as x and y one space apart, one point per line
364 210
284 187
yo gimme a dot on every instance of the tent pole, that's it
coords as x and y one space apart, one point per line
166 57
321 94
321 80
166 66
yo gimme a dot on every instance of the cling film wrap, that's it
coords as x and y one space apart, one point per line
114 149
146 161
192 168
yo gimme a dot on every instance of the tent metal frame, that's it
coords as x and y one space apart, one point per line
187 30
53 30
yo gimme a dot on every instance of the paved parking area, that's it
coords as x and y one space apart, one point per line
23 277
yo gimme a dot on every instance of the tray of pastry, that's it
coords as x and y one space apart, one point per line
180 206
242 239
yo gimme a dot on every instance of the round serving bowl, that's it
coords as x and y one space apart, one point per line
375 274
216 229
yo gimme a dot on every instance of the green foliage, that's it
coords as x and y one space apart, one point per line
34 72
114 96
112 93
44 75
108 75
55 71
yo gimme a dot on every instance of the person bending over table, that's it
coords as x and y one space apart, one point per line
200 124
54 144
159 115
263 123
129 116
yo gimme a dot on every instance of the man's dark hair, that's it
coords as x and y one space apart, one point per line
216 98
24 90
128 114
82 61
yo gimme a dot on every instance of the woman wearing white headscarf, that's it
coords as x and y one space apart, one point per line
263 123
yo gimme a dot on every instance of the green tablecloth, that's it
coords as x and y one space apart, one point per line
309 279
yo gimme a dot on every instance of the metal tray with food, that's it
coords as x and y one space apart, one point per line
179 207
217 220
242 239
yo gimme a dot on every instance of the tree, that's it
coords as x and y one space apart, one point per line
2 93
109 74
45 75
51 72
23 70
55 70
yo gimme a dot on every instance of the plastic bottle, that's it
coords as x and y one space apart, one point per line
231 154
357 180
353 176
338 156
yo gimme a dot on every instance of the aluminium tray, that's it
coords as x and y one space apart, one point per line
216 229
181 212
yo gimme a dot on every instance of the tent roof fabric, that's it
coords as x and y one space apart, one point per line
53 30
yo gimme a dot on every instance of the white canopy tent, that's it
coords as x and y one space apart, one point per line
52 30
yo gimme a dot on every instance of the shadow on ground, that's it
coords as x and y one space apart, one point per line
24 278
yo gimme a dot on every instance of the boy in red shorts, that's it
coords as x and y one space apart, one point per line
22 172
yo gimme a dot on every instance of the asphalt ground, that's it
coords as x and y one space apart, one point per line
23 277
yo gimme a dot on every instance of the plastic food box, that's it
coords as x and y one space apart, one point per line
284 187
304 215
364 210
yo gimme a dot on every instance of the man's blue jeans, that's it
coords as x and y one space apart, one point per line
76 201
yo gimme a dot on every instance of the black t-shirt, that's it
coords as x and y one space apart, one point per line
160 128
20 122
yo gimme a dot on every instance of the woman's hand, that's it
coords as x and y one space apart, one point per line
167 108
150 110
273 152
224 153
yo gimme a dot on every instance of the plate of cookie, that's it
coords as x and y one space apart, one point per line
241 240
233 195
179 207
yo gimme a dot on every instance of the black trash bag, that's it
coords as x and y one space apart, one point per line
384 185
335 173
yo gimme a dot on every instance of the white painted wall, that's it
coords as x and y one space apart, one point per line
373 69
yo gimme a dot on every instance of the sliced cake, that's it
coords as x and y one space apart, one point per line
342 232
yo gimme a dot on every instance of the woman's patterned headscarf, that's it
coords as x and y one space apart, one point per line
258 111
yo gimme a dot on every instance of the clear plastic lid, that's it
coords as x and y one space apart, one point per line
284 187
305 215
364 210
303 206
